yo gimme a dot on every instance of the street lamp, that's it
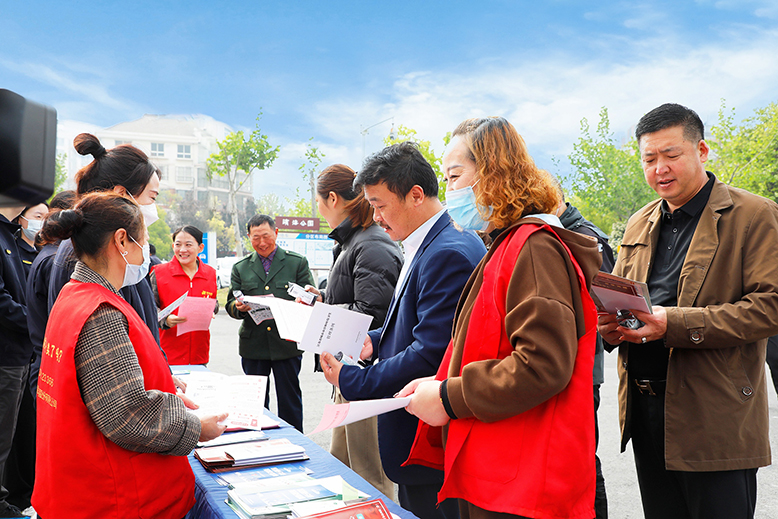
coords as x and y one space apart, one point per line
364 131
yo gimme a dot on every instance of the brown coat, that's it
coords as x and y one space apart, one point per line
716 398
544 323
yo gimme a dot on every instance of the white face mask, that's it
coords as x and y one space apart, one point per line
33 227
149 211
133 274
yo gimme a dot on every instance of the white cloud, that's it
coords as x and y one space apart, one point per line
85 93
546 97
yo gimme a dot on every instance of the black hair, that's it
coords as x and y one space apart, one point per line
64 200
92 222
669 115
259 219
191 230
400 167
124 165
19 216
152 249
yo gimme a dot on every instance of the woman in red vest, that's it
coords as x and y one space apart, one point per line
112 434
185 273
514 392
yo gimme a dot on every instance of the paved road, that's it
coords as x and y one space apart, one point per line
619 469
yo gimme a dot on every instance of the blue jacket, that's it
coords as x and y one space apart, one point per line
413 340
15 345
140 296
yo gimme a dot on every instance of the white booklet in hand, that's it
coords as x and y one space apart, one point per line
162 314
242 396
320 327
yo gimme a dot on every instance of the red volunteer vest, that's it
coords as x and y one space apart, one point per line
172 282
539 463
79 473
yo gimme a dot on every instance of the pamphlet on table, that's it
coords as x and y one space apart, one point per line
249 454
272 498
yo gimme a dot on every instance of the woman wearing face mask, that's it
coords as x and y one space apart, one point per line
107 406
514 393
364 273
127 171
185 273
31 221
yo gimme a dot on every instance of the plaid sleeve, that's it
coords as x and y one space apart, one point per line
111 384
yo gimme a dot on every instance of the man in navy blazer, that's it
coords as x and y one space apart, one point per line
439 258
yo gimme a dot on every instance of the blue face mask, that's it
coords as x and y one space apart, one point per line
462 207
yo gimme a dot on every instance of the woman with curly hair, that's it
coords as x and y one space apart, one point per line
514 393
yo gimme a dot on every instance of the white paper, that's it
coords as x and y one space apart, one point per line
291 318
321 327
335 330
336 415
198 312
162 314
259 311
242 396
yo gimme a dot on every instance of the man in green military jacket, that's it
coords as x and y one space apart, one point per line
269 270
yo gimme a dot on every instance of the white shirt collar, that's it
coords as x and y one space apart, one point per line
411 246
414 240
550 219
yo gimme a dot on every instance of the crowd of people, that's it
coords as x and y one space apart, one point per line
481 314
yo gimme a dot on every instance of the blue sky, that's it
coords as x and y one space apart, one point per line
326 69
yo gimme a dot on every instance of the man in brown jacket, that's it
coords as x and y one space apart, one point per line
692 393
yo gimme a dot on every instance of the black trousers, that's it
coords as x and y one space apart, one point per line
289 396
600 497
20 466
422 500
669 494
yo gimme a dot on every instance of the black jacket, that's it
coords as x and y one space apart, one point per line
15 345
572 220
364 272
37 293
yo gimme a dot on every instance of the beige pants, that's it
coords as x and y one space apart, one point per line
356 445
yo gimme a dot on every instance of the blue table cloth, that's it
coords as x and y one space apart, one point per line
211 496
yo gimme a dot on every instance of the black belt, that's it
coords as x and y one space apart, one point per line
650 387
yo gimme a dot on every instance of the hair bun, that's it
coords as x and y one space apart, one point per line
61 225
88 144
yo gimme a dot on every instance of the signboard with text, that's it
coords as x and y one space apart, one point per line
297 223
317 248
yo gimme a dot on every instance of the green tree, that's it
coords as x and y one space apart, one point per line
746 154
270 204
185 210
309 168
606 181
238 157
225 236
160 236
436 161
60 174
